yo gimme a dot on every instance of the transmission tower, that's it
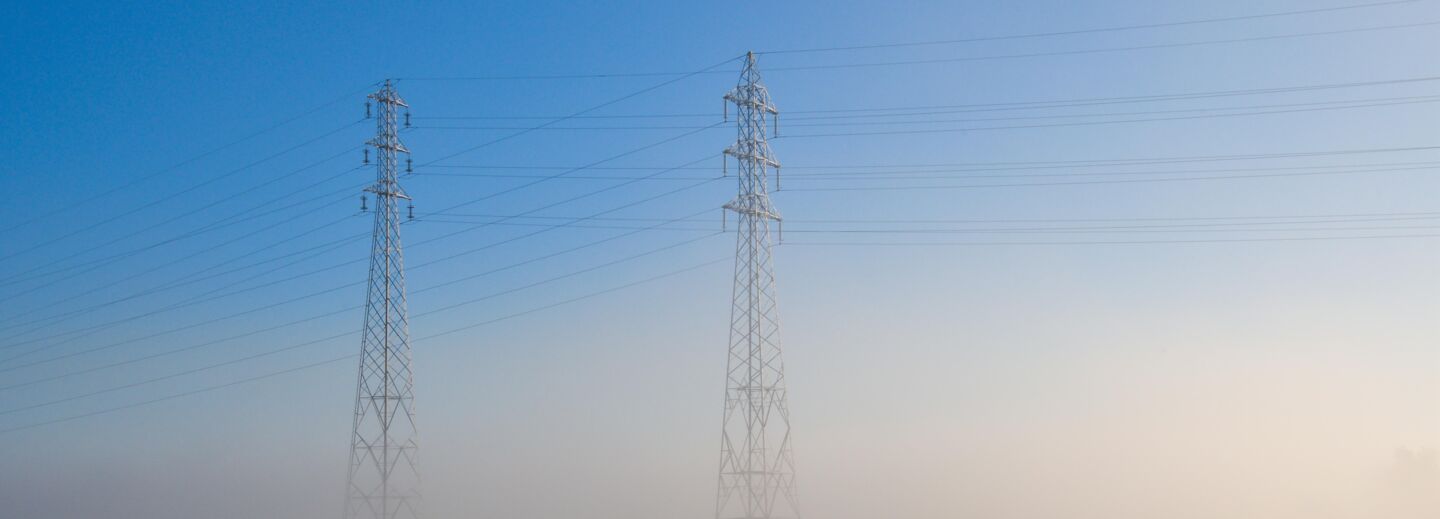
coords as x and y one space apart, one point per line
383 483
757 466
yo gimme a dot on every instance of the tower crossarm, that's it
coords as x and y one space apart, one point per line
395 191
754 205
758 99
396 146
388 96
742 153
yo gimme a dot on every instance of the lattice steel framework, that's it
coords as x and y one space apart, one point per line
757 466
383 482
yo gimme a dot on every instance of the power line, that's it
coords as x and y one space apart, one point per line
653 251
968 174
95 265
1315 107
1107 181
572 128
163 333
337 336
1367 216
577 117
599 219
570 177
1148 98
1113 230
185 162
566 251
199 298
1106 50
1072 32
194 300
605 159
419 266
1102 230
228 221
1097 123
621 155
991 106
1017 165
162 199
1327 218
232 219
151 356
556 204
580 298
178 395
1108 242
1338 102
586 296
90 291
414 267
614 75
914 113
581 112
523 224
349 357
1179 228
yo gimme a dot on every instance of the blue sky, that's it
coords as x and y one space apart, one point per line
935 380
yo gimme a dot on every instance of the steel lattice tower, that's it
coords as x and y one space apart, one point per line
383 483
757 466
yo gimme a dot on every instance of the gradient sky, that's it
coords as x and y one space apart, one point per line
1201 374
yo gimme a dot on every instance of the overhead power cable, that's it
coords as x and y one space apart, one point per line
168 264
1074 32
203 229
207 389
47 214
618 75
913 117
1110 230
1107 122
790 243
899 111
1261 226
223 223
1228 218
1014 165
162 199
273 374
831 113
332 267
970 174
70 336
292 347
1312 107
1104 50
155 335
201 276
231 220
414 267
1109 181
593 108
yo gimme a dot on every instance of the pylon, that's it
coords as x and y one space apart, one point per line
383 482
757 466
